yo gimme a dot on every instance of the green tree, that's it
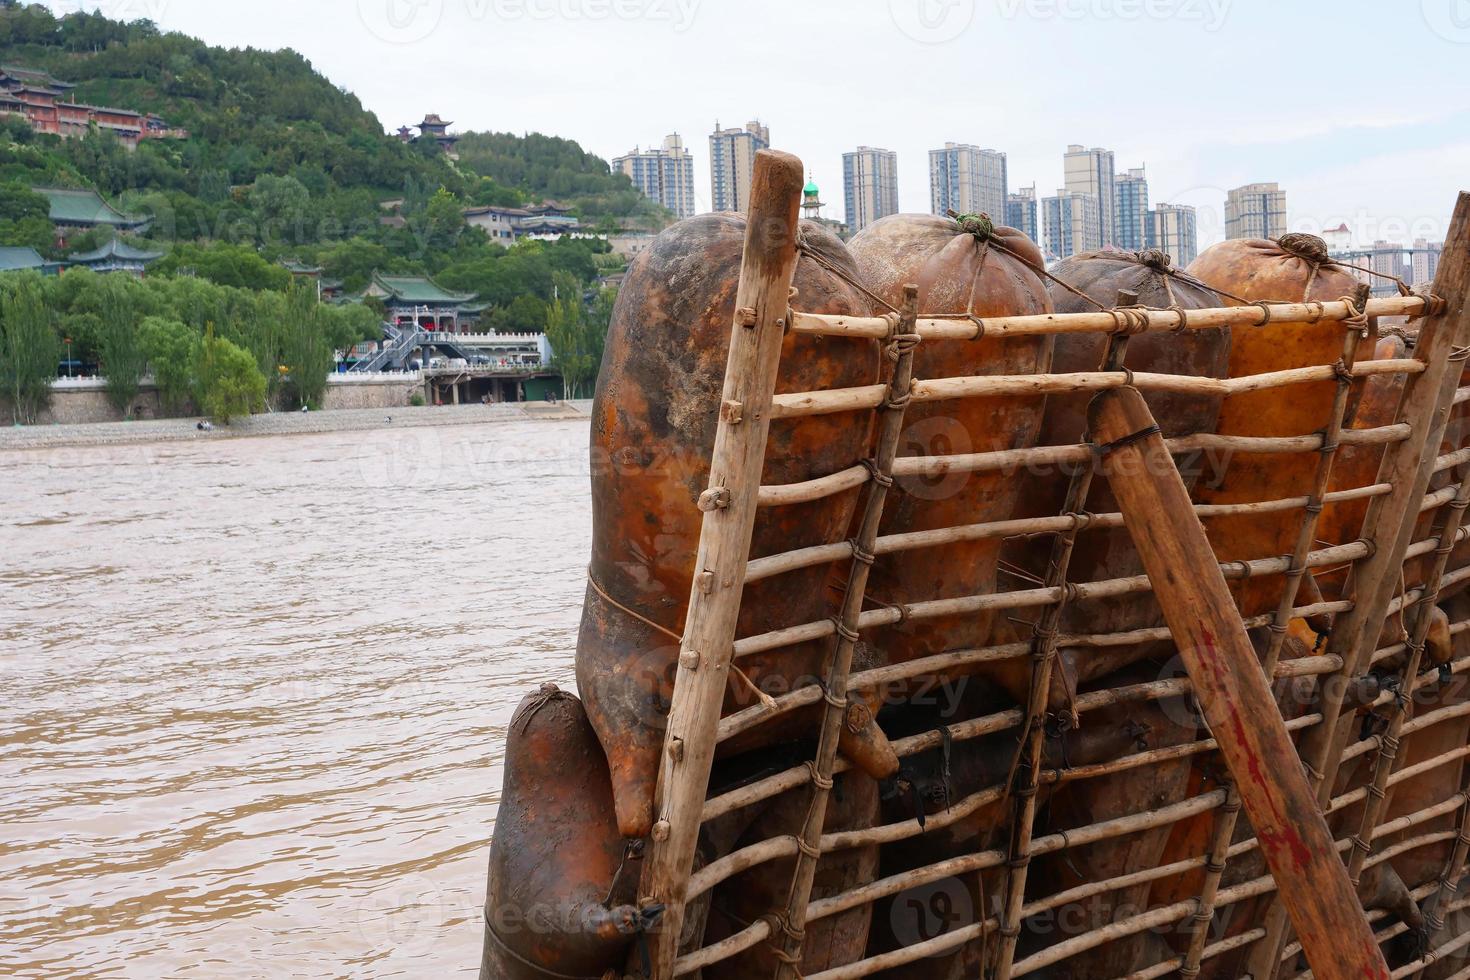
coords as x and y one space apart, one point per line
525 314
576 346
226 265
227 381
170 347
306 348
354 262
441 223
29 348
25 217
122 358
280 205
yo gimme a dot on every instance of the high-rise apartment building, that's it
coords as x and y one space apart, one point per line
732 164
1130 211
665 175
1021 212
1173 229
870 185
967 179
1091 172
1255 211
1424 262
1072 223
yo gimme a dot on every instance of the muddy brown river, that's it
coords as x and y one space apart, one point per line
255 693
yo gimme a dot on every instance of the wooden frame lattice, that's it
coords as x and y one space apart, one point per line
1399 500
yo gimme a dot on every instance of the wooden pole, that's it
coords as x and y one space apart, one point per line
792 921
1388 525
1025 778
1232 691
729 507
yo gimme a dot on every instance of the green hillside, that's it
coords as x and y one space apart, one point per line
278 163
277 155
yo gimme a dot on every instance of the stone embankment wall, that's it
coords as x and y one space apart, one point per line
79 400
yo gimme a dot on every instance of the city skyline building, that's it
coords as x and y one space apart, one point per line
1255 211
1072 222
1092 172
1021 212
1130 211
967 179
732 164
870 185
665 175
1174 230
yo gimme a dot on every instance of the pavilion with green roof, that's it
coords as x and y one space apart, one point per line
115 256
421 300
84 209
17 258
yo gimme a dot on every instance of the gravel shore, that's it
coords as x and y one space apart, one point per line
281 423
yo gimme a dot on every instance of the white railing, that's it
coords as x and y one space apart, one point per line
375 377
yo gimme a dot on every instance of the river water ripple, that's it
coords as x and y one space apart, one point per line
256 693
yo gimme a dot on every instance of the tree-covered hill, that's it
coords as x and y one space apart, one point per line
278 164
253 114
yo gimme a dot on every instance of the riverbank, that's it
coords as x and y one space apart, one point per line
282 423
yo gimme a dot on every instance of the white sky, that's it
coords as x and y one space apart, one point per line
1359 108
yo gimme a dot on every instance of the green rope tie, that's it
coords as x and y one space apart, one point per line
978 225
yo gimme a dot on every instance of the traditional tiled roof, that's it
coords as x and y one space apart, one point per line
301 268
14 257
415 289
114 249
85 207
33 76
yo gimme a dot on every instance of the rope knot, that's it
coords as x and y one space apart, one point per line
1304 246
1156 259
978 225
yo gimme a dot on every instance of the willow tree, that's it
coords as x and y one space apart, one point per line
123 357
306 347
576 337
29 348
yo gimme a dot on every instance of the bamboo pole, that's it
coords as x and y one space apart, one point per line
793 921
1388 743
729 506
1025 780
1157 321
800 404
782 494
1224 828
1024 598
1449 882
774 848
822 554
1104 830
1231 690
1389 524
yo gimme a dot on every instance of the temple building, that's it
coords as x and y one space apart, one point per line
547 220
432 128
326 289
115 256
42 101
421 300
16 258
82 209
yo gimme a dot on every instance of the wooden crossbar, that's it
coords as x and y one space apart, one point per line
1396 499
